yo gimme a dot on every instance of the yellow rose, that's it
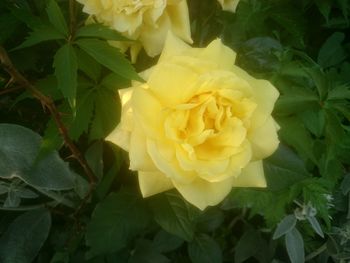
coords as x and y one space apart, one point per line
199 124
229 5
147 21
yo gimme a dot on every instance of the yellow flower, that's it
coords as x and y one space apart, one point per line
229 5
199 124
146 21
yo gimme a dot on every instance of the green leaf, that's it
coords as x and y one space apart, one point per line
84 114
296 99
283 169
210 220
204 249
315 225
165 242
324 7
56 17
314 121
88 65
107 113
341 92
247 246
174 215
109 57
100 31
286 225
25 236
332 52
295 134
94 157
41 34
295 246
19 148
146 253
114 222
66 66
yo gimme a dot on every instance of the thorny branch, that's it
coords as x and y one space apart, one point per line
48 103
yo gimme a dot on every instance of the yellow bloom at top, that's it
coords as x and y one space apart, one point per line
146 21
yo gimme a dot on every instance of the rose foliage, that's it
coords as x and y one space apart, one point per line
174 131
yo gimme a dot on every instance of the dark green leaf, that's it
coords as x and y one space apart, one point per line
66 66
247 246
88 65
210 220
283 169
286 225
94 157
19 148
295 246
84 114
294 133
325 7
314 121
24 237
165 242
204 249
174 215
107 113
116 220
146 253
332 51
100 31
296 99
56 17
108 56
40 34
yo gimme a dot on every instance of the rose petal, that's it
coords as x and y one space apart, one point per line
264 140
152 183
201 193
251 176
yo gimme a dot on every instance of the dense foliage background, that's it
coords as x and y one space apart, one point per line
59 78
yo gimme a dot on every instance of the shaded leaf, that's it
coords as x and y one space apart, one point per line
145 252
114 222
247 246
332 51
56 17
25 236
165 242
66 66
174 215
315 225
204 249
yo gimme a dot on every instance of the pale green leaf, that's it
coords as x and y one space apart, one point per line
286 225
295 246
315 225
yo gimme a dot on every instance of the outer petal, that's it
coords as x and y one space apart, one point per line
220 54
180 22
264 140
139 158
252 176
173 46
147 111
172 91
152 183
265 95
201 193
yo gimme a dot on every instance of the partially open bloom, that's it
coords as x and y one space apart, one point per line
199 124
146 21
229 5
